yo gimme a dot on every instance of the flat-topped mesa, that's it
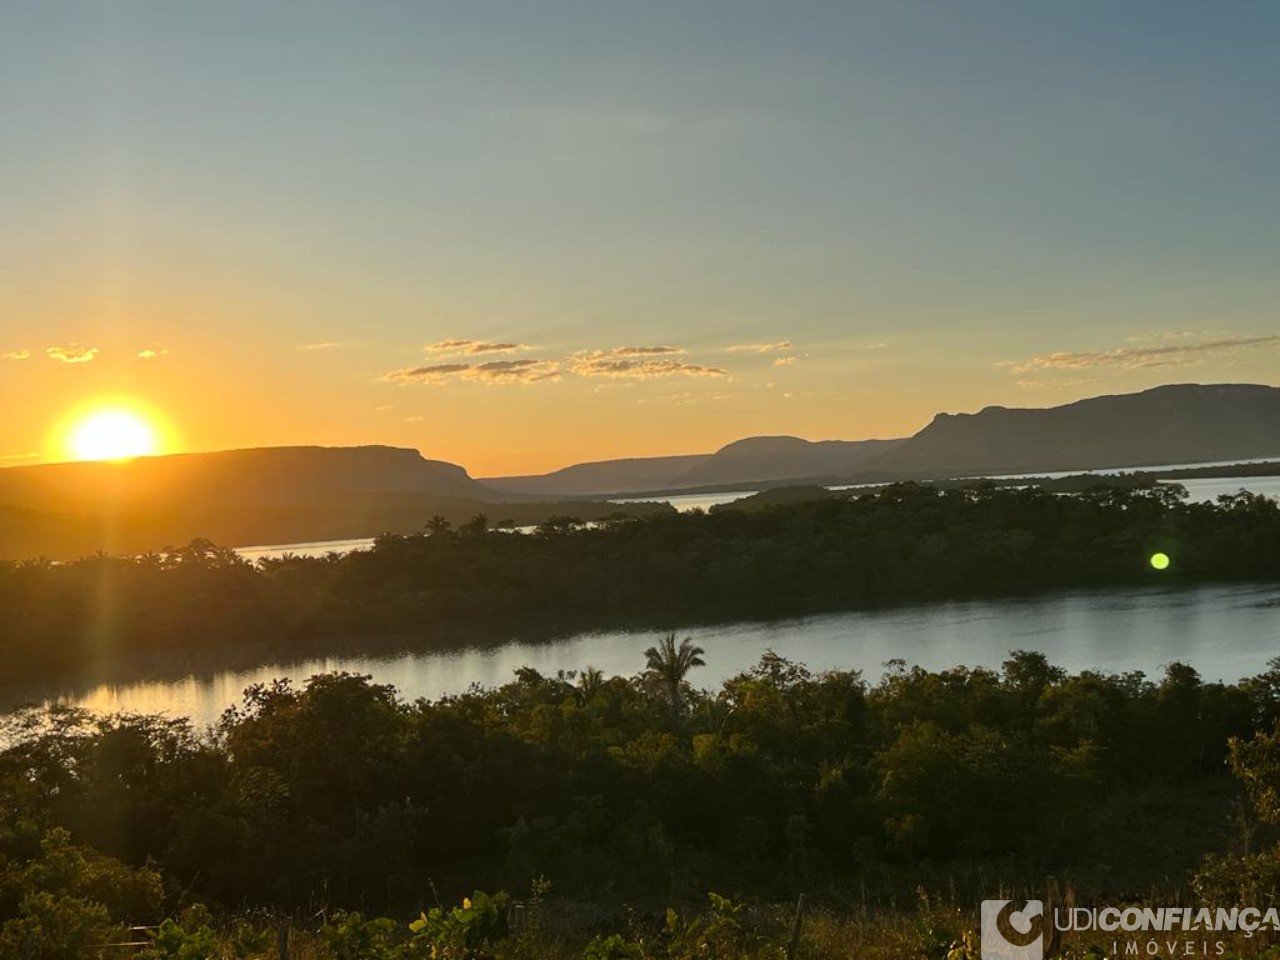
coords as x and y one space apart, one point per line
266 476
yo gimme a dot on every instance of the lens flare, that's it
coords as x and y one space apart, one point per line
1160 561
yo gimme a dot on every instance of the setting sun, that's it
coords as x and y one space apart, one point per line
112 435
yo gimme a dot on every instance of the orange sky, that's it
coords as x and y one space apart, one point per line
523 241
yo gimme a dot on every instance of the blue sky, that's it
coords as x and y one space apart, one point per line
935 206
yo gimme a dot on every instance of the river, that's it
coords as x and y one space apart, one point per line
1224 632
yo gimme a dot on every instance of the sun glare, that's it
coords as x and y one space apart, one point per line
112 435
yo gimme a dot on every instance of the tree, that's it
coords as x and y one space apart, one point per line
669 664
476 526
438 526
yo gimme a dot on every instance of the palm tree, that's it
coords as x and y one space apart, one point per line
668 664
590 682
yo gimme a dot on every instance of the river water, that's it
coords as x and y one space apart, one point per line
1224 632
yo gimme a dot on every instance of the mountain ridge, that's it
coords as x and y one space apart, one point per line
1168 424
1173 423
302 493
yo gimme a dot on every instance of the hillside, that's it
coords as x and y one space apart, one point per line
763 459
269 476
603 477
243 497
1179 423
747 461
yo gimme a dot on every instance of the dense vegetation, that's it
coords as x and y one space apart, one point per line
453 585
588 793
147 524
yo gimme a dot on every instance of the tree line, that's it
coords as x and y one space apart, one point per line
454 585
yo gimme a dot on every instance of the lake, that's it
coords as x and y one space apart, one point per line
1224 632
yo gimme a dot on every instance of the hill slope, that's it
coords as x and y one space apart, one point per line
758 459
751 460
1179 423
269 476
602 477
241 497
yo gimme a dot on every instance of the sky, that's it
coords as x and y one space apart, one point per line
518 235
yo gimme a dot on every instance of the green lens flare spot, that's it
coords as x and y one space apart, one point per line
1160 561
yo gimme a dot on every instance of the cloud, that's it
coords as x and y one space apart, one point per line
688 399
1040 383
495 371
784 361
448 346
633 352
149 354
1178 353
472 348
1148 336
624 363
72 353
610 363
435 373
18 456
323 345
760 347
514 371
15 355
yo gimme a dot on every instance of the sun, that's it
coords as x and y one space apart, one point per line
113 434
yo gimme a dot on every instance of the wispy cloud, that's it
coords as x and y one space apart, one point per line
1067 383
514 371
473 348
434 373
626 363
323 345
688 399
655 351
495 371
760 347
14 457
1155 336
72 353
150 354
784 361
15 355
1173 353
609 363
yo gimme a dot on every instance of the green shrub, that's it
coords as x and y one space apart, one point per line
468 932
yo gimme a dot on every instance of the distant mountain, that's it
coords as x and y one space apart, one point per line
240 497
265 477
766 459
1179 423
753 460
602 477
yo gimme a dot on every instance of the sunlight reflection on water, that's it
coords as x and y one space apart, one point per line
1224 632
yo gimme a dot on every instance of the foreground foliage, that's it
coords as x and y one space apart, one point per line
634 796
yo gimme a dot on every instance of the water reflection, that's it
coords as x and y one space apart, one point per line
1224 632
